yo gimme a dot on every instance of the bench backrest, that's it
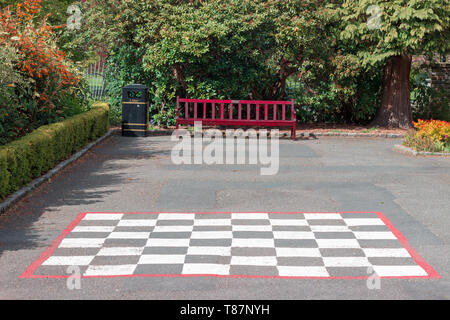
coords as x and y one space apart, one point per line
245 110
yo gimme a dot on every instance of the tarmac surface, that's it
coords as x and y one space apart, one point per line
329 174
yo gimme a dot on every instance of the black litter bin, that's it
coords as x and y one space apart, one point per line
135 110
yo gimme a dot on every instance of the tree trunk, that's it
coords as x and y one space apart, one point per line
395 109
178 73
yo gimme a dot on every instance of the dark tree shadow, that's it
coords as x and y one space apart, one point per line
86 181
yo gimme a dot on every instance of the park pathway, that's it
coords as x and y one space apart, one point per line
340 212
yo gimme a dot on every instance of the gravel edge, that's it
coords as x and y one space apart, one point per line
311 134
352 134
24 191
410 151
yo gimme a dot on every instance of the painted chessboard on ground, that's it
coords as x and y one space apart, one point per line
298 245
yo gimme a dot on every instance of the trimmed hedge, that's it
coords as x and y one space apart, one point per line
34 154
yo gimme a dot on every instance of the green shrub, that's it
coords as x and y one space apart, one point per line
124 67
30 156
163 116
335 88
245 50
430 103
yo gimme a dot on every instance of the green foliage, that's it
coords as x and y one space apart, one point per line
9 75
228 49
428 102
73 103
38 85
19 115
329 99
57 11
37 152
248 49
406 27
164 117
11 120
124 67
203 49
385 34
334 87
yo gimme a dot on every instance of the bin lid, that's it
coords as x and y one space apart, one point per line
135 86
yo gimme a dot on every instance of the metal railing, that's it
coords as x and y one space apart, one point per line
95 76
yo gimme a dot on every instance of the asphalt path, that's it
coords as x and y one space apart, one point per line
330 174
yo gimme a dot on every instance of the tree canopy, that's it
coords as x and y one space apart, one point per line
404 28
216 48
252 48
415 27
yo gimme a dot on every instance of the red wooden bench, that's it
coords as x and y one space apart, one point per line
237 113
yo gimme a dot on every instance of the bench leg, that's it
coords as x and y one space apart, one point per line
294 129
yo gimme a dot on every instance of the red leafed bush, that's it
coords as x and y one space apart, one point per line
40 59
47 77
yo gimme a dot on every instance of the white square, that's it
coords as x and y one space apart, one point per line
254 261
252 243
137 223
363 222
386 252
161 259
176 216
93 229
251 216
298 252
120 251
81 243
210 251
370 235
290 271
330 229
110 270
212 222
338 243
129 235
293 235
323 216
103 216
251 228
206 268
158 242
173 229
399 271
346 262
212 235
68 261
288 222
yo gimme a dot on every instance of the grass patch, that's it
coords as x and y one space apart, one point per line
370 130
